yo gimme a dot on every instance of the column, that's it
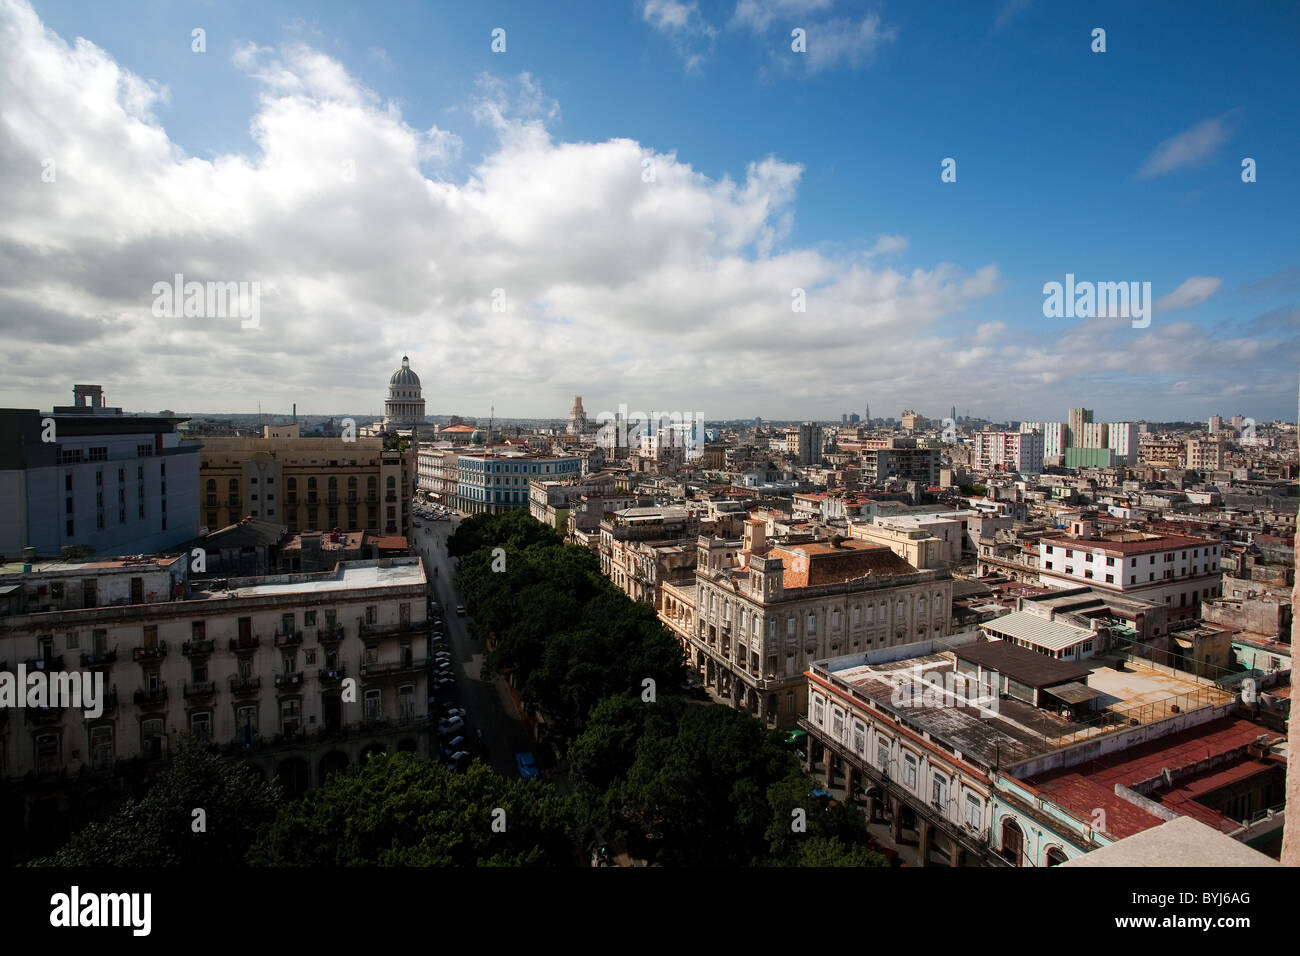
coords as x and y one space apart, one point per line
923 829
895 819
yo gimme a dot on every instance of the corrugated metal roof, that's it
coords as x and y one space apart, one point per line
1052 635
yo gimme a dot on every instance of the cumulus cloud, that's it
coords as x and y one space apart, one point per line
1188 147
672 290
1191 293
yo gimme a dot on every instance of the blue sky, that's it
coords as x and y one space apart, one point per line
776 170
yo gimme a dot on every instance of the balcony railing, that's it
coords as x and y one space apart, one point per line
233 501
244 686
155 653
102 659
194 648
46 662
329 633
288 679
203 688
375 631
291 501
149 698
244 643
389 668
372 498
333 676
291 639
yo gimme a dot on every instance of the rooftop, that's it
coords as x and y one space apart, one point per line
1181 842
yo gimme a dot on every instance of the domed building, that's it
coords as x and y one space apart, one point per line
405 405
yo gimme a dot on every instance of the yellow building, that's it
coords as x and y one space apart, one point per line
306 484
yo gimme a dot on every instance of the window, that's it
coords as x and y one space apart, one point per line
859 737
790 626
101 747
837 723
812 623
939 793
406 702
974 813
290 716
201 725
373 705
909 771
882 755
818 713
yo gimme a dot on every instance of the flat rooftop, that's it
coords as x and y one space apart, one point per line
345 577
1181 842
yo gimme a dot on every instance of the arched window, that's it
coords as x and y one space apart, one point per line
392 482
370 483
334 483
352 483
311 484
1055 856
293 484
234 484
1013 841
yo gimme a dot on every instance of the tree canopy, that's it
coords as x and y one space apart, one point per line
402 810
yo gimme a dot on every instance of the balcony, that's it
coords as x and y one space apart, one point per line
329 633
196 648
288 679
291 501
334 676
372 498
155 653
109 702
199 690
312 500
242 644
391 497
333 499
151 698
374 632
392 668
292 639
46 662
95 660
352 497
245 686
233 501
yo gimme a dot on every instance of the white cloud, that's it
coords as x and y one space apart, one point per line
1190 294
1188 147
889 245
674 293
853 44
691 35
758 15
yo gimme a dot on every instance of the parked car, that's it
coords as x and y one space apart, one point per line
460 610
451 724
526 765
456 744
459 760
455 712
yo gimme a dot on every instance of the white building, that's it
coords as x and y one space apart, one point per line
1122 439
1054 436
1178 571
1020 452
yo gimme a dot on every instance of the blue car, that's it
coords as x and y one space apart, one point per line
527 766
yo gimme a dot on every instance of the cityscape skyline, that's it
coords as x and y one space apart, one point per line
379 203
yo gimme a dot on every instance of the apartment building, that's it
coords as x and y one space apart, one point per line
89 475
492 483
1020 452
1055 436
438 471
307 484
301 674
901 458
640 548
1205 454
551 500
757 614
1179 571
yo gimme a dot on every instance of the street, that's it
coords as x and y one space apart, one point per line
483 701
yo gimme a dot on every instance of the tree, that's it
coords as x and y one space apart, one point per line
160 828
402 810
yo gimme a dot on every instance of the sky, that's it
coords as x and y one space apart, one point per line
776 208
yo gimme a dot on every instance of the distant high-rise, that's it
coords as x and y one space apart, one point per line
866 416
1078 418
810 443
577 418
844 418
1214 425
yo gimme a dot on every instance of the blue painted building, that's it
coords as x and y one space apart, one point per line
492 484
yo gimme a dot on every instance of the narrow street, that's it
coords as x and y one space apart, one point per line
487 707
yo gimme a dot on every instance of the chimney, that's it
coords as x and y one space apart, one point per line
29 556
